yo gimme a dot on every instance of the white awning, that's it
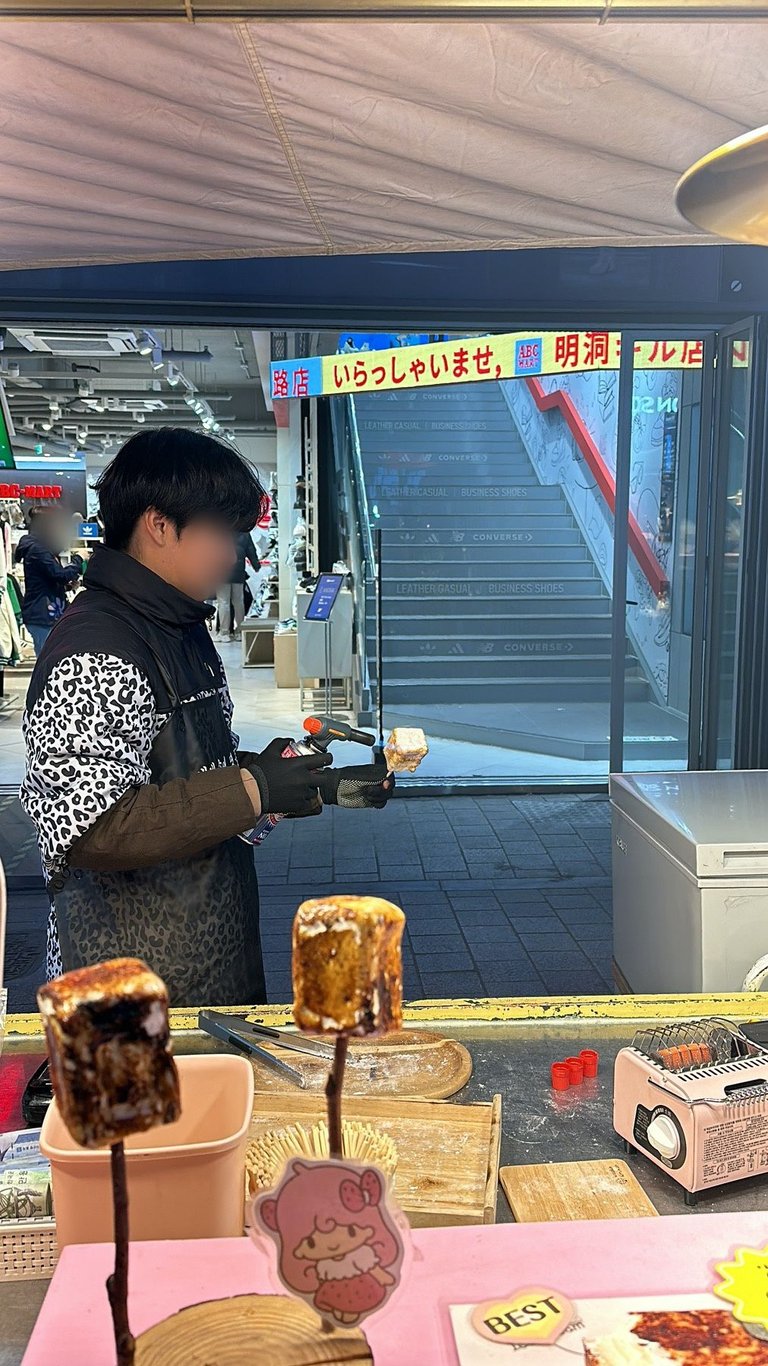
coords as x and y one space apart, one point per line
159 141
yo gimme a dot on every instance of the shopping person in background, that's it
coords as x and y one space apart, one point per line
134 779
230 602
46 579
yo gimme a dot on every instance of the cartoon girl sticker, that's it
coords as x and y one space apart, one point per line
338 1245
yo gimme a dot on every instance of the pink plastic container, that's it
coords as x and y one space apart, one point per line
185 1180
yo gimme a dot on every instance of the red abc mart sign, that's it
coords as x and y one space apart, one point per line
36 492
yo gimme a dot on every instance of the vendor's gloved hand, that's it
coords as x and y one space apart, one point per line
358 786
287 786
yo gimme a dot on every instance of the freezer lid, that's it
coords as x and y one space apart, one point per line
716 824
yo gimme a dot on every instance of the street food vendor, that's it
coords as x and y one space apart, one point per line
134 779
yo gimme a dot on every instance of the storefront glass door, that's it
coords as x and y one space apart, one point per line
681 466
662 455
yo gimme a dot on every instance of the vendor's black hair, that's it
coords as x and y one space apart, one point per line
183 475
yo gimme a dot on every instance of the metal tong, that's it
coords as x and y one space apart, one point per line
242 1035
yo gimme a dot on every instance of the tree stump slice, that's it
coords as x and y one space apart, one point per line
248 1329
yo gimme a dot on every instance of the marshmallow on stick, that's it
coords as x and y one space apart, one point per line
347 979
110 1051
347 965
405 749
109 1045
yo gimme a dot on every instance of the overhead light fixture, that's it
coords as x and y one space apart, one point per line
157 358
147 342
140 417
725 192
46 424
82 434
174 376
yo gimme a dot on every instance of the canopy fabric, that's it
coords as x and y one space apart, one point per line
140 142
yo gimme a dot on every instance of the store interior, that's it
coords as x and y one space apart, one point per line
514 689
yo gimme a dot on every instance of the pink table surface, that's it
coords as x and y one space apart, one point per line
450 1266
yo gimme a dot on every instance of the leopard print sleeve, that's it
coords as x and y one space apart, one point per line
87 739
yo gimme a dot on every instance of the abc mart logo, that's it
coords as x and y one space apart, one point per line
528 356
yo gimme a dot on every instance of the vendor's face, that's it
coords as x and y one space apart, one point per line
204 556
333 1242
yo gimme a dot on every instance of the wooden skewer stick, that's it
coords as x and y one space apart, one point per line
117 1283
333 1089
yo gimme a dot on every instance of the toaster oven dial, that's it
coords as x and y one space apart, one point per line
664 1137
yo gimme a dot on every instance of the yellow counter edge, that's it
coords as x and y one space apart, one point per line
499 1010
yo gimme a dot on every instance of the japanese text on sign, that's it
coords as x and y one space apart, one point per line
475 359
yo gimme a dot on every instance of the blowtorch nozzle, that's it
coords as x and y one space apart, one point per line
324 729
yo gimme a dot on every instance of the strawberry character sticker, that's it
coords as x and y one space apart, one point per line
339 1247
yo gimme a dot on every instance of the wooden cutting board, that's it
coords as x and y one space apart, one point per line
413 1062
554 1191
447 1155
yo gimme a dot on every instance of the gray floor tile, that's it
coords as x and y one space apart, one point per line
451 984
454 961
437 943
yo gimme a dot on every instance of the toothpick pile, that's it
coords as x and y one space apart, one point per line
267 1155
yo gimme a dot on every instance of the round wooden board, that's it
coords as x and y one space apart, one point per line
417 1063
250 1329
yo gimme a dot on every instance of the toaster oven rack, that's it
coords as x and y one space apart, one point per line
691 1047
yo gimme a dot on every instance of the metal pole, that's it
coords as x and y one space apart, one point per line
328 668
379 643
620 552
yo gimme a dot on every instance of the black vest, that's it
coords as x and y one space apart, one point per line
194 920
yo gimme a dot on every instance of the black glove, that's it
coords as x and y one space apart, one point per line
287 786
360 785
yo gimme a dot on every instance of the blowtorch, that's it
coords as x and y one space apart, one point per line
321 731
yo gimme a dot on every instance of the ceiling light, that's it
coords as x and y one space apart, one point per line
157 358
82 434
46 424
173 374
140 417
147 342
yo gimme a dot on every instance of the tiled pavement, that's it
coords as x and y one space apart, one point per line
504 895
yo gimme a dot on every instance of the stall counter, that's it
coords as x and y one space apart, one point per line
513 1042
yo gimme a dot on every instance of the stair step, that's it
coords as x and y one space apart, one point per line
486 626
479 690
511 648
431 560
462 495
417 573
504 610
470 664
538 587
397 543
537 518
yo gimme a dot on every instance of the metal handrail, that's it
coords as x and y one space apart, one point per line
362 493
362 555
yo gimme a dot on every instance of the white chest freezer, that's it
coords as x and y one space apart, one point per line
690 879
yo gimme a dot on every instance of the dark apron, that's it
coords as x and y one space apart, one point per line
194 921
